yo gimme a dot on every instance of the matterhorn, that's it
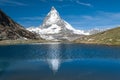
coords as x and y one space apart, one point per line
56 29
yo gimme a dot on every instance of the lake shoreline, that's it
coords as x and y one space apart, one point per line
15 42
95 43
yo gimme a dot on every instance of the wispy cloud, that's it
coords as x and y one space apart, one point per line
99 20
78 2
31 18
84 4
110 14
43 0
70 1
12 3
87 17
62 6
28 23
61 0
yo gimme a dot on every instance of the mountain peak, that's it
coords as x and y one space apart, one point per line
55 24
53 8
55 28
51 18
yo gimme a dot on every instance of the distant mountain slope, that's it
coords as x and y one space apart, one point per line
10 30
111 37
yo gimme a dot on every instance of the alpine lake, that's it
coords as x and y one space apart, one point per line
59 61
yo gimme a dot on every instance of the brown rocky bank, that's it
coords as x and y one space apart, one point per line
10 30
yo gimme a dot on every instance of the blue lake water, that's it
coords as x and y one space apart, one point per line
57 61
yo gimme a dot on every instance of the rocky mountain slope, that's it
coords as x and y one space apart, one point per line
10 30
110 37
55 28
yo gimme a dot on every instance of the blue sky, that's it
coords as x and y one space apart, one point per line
81 14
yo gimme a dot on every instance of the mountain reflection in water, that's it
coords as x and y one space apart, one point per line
58 61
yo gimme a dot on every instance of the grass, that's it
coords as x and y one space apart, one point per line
109 37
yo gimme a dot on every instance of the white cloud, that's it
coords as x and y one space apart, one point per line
88 17
62 6
99 20
51 0
30 21
60 0
110 14
84 4
31 18
12 3
43 0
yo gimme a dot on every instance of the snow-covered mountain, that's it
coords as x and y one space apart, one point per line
55 28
